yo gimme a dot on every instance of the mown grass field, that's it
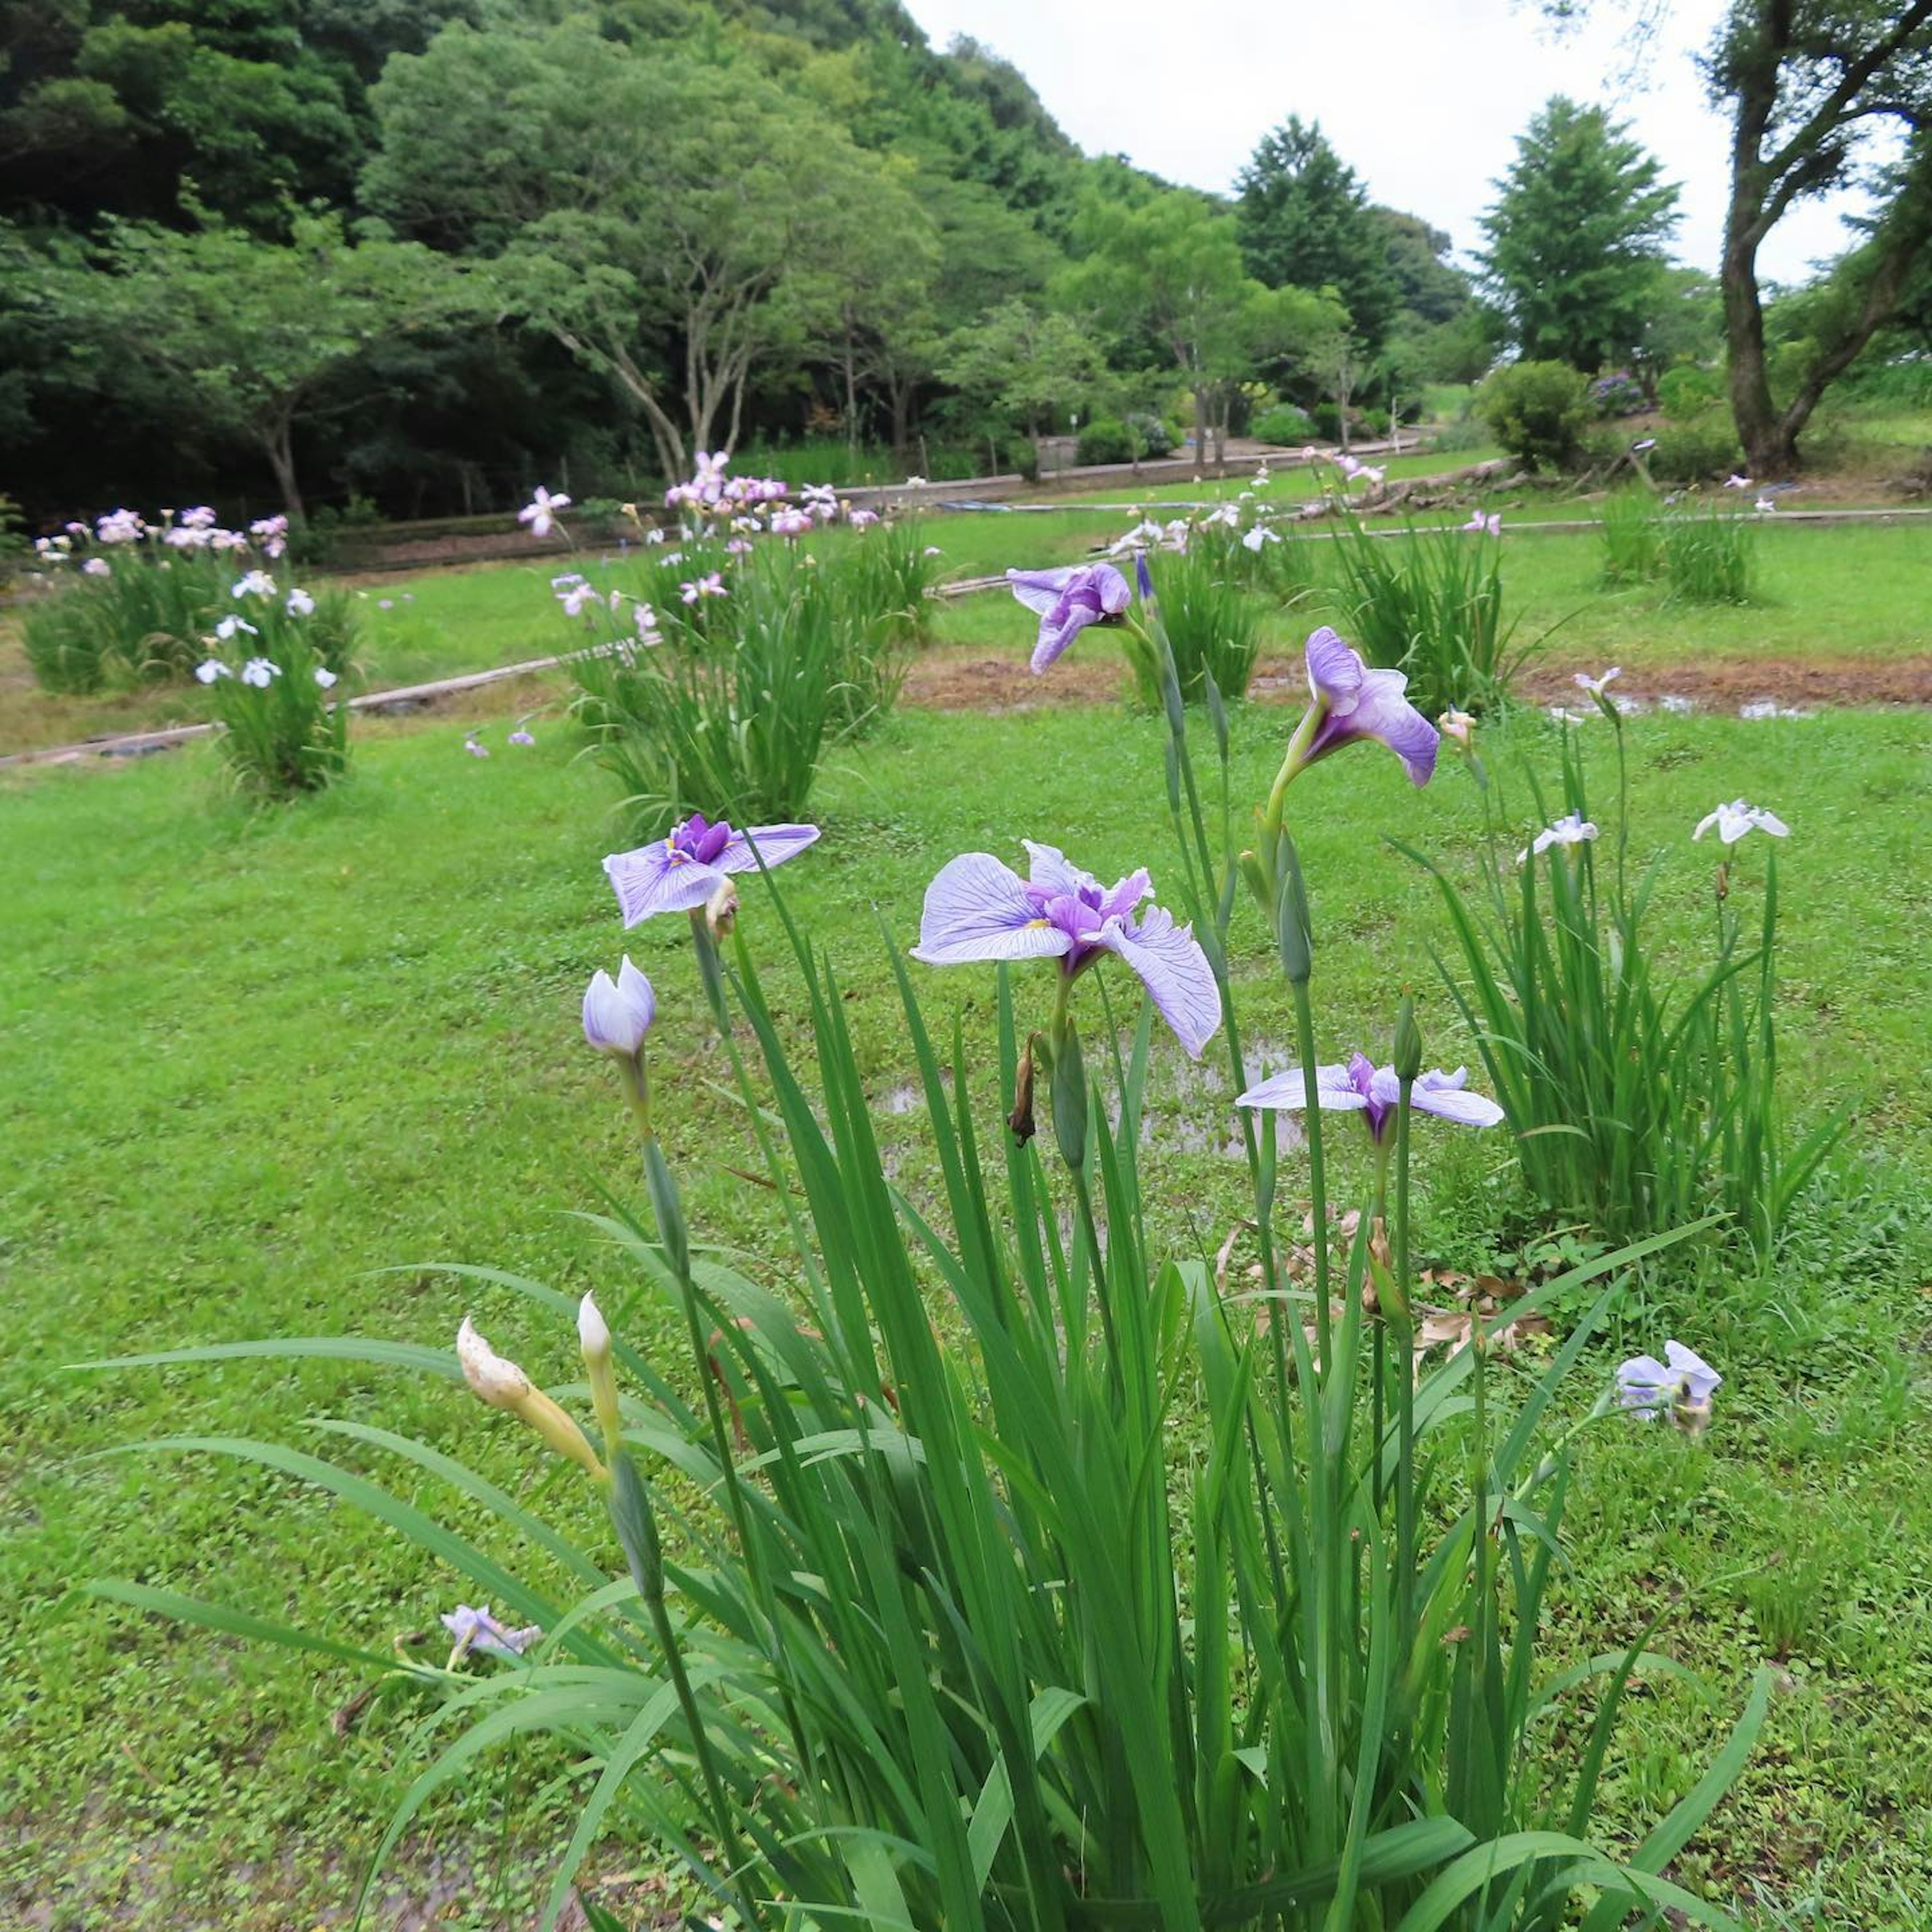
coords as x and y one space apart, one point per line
260 1061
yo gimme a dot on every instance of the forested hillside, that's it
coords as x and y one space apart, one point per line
300 253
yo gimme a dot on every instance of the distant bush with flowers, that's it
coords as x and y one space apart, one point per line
724 660
277 694
1618 393
986 1563
129 600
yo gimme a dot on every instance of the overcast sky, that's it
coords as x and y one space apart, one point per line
1423 98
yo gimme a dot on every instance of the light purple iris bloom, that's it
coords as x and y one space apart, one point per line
1356 703
680 873
1374 1092
1682 1384
1067 601
978 909
479 1630
618 1013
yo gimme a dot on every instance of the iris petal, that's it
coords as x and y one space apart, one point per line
978 909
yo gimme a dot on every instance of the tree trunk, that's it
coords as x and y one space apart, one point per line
851 394
1770 447
277 443
1200 422
901 393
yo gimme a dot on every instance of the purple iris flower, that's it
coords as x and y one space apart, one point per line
978 909
1374 1092
1068 601
680 873
1682 1385
1355 703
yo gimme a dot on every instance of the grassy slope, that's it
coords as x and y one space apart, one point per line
256 1059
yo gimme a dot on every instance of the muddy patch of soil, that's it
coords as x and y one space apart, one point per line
953 682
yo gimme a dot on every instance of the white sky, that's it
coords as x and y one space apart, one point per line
1423 98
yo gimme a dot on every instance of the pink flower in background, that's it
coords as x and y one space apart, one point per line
713 586
540 512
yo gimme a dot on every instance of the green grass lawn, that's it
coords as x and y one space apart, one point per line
260 1063
1823 593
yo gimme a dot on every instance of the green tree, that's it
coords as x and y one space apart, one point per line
1427 287
1811 88
1166 276
1577 238
1029 365
1809 83
243 341
110 107
1305 221
666 217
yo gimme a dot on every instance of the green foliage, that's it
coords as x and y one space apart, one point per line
1699 449
1689 391
1130 438
1710 556
1632 528
1640 1099
1430 604
1305 221
730 704
1536 411
1213 624
1577 238
239 340
1031 366
1282 423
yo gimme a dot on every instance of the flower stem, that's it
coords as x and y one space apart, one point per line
1317 1186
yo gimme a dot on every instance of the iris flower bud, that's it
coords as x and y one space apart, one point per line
593 1337
617 1014
1407 1059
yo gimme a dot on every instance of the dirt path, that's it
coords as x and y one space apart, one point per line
954 682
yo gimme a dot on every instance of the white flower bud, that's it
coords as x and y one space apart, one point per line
493 1378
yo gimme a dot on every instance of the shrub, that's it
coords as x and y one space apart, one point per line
1536 411
1710 556
1283 424
1462 432
1697 450
1105 439
141 601
284 729
1430 604
1689 391
1632 528
1638 1103
1213 624
1617 394
1154 436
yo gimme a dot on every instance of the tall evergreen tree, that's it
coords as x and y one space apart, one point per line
1577 238
1306 221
